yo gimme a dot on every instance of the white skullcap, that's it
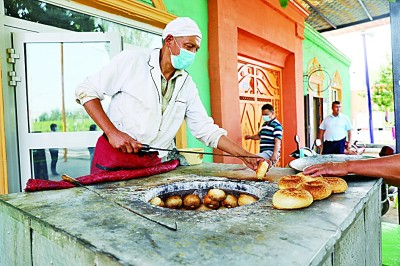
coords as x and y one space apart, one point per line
181 27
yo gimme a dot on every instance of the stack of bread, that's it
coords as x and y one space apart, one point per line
299 191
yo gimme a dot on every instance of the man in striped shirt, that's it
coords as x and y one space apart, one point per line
270 135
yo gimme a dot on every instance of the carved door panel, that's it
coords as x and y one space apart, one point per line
259 83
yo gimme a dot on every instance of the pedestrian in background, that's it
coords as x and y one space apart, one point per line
270 134
333 131
53 153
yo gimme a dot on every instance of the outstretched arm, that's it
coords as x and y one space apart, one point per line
227 145
387 167
253 137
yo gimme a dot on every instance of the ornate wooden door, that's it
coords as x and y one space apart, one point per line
259 83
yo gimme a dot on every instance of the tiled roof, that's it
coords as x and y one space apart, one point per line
327 15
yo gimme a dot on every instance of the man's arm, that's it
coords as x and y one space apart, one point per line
227 145
321 137
321 133
277 148
117 139
348 139
387 167
253 137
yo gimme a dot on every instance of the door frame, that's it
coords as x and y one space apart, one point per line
28 141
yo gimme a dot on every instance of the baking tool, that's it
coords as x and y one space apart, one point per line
146 147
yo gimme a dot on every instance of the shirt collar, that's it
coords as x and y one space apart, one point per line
339 115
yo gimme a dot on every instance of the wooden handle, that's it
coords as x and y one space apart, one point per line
70 180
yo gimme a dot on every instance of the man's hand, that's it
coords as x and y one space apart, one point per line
247 137
327 169
348 145
253 160
274 158
124 142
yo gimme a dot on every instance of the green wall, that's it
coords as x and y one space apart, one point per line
331 60
198 11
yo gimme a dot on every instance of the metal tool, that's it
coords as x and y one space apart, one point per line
77 183
146 147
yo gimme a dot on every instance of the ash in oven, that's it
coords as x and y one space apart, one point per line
203 195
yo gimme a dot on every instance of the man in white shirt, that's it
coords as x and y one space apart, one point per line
334 129
152 95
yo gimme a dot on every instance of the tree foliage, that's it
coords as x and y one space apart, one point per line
40 12
382 90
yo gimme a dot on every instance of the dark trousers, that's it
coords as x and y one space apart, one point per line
54 159
334 147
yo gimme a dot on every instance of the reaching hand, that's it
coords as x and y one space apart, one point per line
327 169
252 162
124 142
274 158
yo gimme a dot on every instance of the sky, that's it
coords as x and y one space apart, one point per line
378 46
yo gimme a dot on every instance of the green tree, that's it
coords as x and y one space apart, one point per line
382 90
41 12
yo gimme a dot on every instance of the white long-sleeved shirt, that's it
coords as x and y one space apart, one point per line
133 80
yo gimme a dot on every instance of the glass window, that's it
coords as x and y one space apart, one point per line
51 87
50 164
48 14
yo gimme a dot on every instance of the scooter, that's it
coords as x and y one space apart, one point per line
303 151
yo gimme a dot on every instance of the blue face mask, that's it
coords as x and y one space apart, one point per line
266 118
183 60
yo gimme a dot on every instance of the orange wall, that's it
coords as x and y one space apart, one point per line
262 30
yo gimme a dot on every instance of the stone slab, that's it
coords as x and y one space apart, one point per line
85 229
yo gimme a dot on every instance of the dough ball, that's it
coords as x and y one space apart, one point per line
203 207
211 203
245 199
216 194
230 202
191 202
337 184
157 201
173 202
291 198
317 188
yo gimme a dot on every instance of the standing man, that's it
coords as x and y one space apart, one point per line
152 94
270 135
333 131
53 153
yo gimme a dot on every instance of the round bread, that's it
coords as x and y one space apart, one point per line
317 188
338 185
210 203
245 199
191 201
216 194
173 202
307 177
291 198
230 202
290 181
262 169
203 207
157 201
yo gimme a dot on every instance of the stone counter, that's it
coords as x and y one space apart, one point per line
77 227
